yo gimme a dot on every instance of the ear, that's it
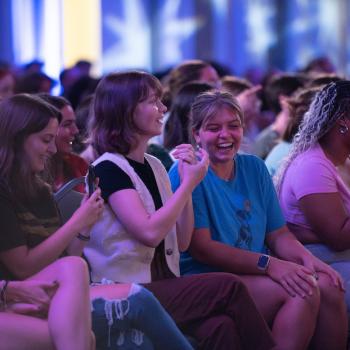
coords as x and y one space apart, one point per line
283 101
195 134
341 121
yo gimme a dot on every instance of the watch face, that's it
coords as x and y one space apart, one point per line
263 262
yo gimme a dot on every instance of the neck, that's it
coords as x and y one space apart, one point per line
225 170
334 149
138 152
281 122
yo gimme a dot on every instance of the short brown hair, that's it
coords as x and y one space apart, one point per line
116 97
235 85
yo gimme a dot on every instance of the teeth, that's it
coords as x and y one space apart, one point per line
225 145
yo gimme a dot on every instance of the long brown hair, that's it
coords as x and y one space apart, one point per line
20 116
116 97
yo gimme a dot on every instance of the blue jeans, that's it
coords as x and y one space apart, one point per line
138 322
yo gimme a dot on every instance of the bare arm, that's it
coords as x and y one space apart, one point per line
284 244
303 234
23 261
204 249
150 229
328 218
296 279
185 221
184 226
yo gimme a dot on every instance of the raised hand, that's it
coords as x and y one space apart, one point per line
185 152
89 211
195 172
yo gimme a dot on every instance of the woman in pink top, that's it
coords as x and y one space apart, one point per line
314 198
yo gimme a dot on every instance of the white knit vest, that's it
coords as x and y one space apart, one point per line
112 252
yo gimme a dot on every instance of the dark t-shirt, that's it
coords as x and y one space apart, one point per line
25 225
112 179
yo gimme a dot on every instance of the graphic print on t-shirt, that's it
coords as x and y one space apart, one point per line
243 215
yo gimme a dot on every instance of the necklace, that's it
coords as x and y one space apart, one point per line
228 177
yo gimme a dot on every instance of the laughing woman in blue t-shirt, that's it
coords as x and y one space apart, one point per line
238 220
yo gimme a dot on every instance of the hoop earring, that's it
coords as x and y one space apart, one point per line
343 129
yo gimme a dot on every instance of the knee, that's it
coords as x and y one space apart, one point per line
310 303
330 294
71 267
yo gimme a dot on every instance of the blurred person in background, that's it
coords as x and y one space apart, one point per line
7 83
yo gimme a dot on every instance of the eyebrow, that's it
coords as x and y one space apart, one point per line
237 120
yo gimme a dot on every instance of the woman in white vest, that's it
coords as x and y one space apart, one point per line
144 225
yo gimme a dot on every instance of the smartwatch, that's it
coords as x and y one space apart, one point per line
263 262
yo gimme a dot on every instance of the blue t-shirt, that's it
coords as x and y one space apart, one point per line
239 212
275 158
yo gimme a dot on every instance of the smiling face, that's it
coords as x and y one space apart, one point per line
67 130
148 115
221 135
40 146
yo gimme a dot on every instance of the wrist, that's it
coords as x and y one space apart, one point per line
189 184
75 224
263 263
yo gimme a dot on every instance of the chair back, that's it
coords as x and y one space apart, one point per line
67 199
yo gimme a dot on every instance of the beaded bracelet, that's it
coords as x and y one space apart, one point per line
83 238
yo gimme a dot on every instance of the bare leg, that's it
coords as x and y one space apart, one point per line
18 332
293 320
110 291
332 323
69 319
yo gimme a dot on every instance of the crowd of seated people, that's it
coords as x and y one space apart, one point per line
207 257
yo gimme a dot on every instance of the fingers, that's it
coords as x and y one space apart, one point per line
288 288
341 283
50 287
95 195
185 152
304 284
297 285
23 309
308 277
203 155
335 278
295 279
